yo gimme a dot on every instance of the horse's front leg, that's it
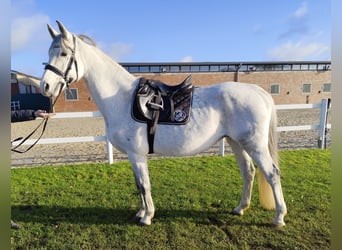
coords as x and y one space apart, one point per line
142 180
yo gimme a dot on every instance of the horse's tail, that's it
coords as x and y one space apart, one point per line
265 191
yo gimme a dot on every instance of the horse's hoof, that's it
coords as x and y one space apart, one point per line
145 222
235 212
278 224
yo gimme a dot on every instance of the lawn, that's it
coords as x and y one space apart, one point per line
91 206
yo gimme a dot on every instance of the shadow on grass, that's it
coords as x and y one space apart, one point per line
97 215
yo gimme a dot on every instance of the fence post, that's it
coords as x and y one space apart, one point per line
221 147
322 131
109 147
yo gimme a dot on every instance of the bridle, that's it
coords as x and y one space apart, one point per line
64 74
68 81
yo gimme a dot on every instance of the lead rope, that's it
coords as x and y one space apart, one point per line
43 122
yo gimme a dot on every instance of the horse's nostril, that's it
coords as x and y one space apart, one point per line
46 87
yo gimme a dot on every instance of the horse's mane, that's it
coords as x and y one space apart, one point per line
87 39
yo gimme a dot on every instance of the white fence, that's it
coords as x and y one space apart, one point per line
322 127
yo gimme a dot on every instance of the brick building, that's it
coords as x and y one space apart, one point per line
25 92
288 82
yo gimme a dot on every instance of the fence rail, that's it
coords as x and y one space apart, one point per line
322 127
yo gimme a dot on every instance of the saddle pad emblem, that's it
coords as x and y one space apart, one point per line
179 115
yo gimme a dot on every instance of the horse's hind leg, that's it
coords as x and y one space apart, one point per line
247 171
264 161
142 180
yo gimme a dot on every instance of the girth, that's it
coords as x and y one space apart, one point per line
155 102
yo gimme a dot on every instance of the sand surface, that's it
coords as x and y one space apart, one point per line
95 152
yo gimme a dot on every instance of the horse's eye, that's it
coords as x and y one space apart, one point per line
63 54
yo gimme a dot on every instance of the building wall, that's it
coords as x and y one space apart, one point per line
290 83
84 101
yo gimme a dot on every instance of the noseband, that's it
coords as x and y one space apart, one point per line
59 72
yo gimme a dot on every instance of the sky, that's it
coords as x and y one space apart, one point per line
177 30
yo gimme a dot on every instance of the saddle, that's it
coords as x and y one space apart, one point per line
155 102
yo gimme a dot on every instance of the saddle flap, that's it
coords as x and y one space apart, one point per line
173 103
143 101
148 101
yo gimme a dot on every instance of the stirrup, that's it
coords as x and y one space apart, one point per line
154 105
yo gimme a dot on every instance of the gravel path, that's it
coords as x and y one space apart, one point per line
95 152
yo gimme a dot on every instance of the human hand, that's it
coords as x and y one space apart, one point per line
43 114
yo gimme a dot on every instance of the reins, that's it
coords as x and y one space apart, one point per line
23 140
15 148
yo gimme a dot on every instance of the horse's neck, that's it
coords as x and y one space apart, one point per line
106 79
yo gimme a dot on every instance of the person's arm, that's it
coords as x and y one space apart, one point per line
22 115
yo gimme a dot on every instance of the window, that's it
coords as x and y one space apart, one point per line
155 69
71 94
174 69
204 68
287 67
296 67
143 69
244 68
28 89
304 66
15 105
14 78
313 66
133 69
260 67
164 69
268 67
232 67
326 87
306 88
275 89
214 68
223 68
194 68
185 68
321 66
278 67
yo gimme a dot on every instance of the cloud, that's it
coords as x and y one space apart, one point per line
117 50
299 39
26 32
301 12
299 51
295 30
187 59
297 22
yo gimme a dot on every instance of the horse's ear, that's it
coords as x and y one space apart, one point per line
65 33
52 32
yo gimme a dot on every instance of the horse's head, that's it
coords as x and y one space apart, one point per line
62 68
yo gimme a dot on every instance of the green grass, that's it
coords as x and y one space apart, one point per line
91 206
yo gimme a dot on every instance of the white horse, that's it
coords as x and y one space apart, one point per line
242 113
